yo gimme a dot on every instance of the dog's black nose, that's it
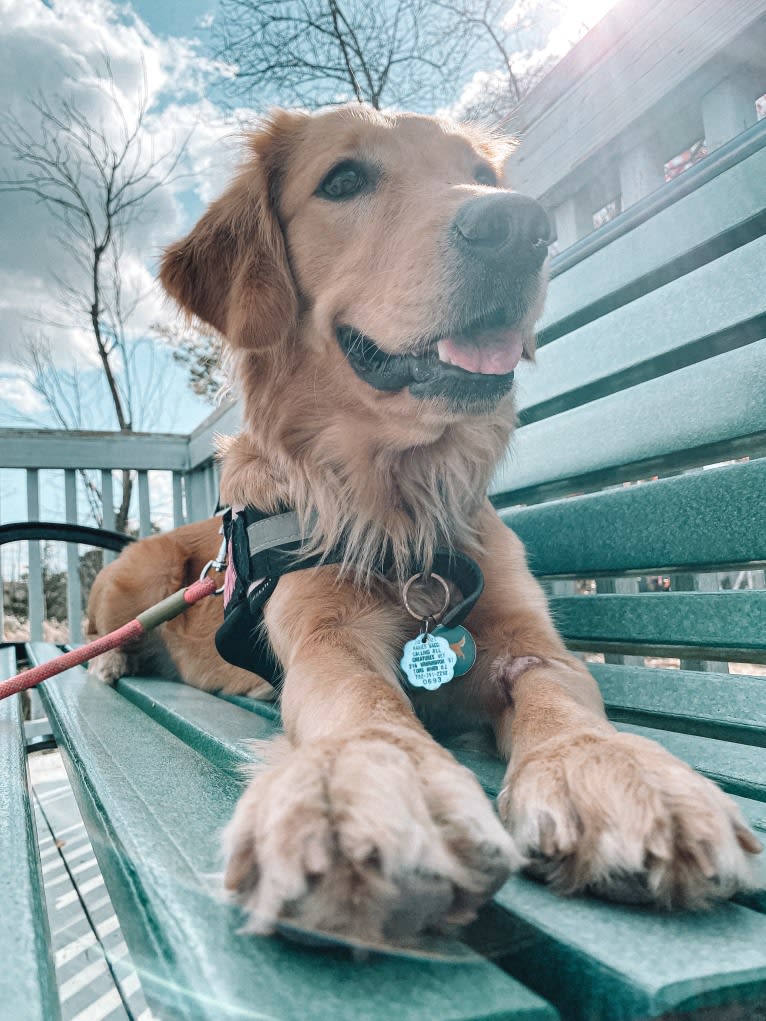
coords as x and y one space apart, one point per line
506 225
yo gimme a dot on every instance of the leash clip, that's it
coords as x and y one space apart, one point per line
217 565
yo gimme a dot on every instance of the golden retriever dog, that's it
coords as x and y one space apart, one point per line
377 284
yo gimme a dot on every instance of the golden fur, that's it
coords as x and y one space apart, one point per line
364 825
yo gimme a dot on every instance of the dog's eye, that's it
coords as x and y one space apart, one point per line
484 174
344 181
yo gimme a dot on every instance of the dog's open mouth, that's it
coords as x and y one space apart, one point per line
472 365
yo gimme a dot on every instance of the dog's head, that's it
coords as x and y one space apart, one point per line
383 248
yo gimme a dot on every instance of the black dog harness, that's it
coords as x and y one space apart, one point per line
261 547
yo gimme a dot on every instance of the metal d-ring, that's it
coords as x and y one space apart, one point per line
436 617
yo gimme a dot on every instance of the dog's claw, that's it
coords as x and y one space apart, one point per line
648 827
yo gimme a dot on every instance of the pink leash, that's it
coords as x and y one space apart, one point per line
166 609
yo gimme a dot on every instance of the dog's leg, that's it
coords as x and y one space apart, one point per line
593 809
365 827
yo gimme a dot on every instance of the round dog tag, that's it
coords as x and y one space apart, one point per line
428 662
462 644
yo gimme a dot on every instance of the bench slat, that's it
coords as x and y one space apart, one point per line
28 988
211 726
158 806
729 707
702 521
715 625
268 710
686 321
601 962
656 424
742 772
673 234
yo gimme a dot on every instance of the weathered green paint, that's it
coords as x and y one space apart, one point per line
700 521
157 807
605 962
737 768
211 726
729 707
704 620
601 962
27 981
268 710
579 953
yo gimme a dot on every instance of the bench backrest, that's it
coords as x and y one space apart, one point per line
652 362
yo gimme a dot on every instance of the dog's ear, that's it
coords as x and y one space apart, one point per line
232 271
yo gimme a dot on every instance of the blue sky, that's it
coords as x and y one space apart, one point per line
175 17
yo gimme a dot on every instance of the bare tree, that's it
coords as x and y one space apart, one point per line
320 52
95 176
414 53
485 20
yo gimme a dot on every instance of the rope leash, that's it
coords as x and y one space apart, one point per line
165 610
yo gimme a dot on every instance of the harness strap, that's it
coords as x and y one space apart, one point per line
262 547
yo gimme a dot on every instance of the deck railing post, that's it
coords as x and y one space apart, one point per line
178 501
36 604
107 507
144 508
199 494
74 608
212 487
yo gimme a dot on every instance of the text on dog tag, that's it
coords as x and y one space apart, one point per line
428 662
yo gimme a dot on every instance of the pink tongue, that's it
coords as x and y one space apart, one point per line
491 353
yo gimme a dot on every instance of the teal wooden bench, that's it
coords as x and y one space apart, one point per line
652 361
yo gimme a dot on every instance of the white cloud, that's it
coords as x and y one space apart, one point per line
20 395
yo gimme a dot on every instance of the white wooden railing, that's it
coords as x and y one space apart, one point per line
187 459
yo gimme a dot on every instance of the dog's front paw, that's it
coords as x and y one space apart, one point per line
375 836
618 816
